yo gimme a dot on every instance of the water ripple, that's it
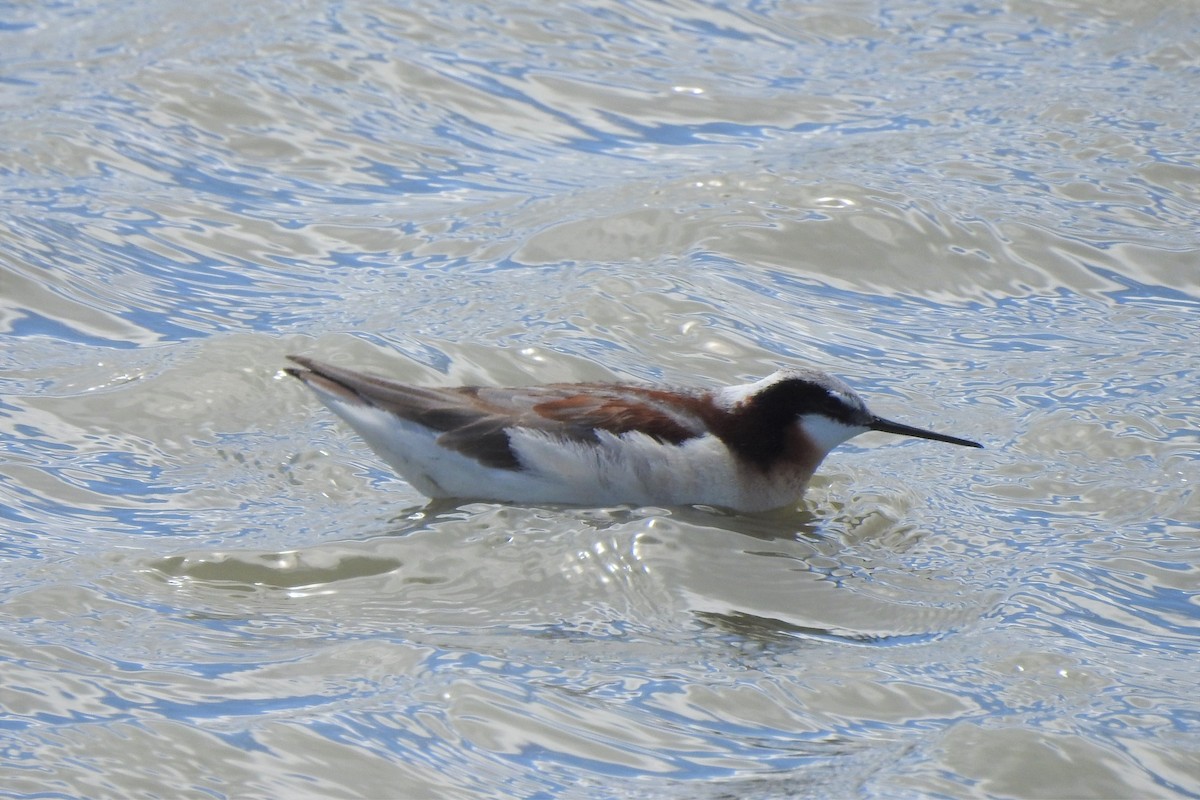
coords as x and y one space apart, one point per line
983 218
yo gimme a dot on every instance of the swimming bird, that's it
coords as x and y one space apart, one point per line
751 447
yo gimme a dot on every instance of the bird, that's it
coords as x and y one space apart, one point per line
748 448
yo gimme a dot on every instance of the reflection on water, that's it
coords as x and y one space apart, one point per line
983 219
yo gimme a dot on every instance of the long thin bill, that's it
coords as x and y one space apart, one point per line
887 426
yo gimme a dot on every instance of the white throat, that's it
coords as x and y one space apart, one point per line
828 433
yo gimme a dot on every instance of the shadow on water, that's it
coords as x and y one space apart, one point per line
789 522
330 562
767 631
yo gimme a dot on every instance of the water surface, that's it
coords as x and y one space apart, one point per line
981 217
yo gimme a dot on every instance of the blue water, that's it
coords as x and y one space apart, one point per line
984 218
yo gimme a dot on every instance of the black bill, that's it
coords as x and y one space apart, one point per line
887 426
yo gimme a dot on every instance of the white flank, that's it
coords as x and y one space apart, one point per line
630 468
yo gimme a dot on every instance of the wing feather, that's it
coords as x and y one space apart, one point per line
475 421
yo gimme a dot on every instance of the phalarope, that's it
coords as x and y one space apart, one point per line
751 447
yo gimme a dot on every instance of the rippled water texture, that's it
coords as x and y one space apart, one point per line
984 217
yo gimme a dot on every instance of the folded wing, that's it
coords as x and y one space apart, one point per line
475 420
